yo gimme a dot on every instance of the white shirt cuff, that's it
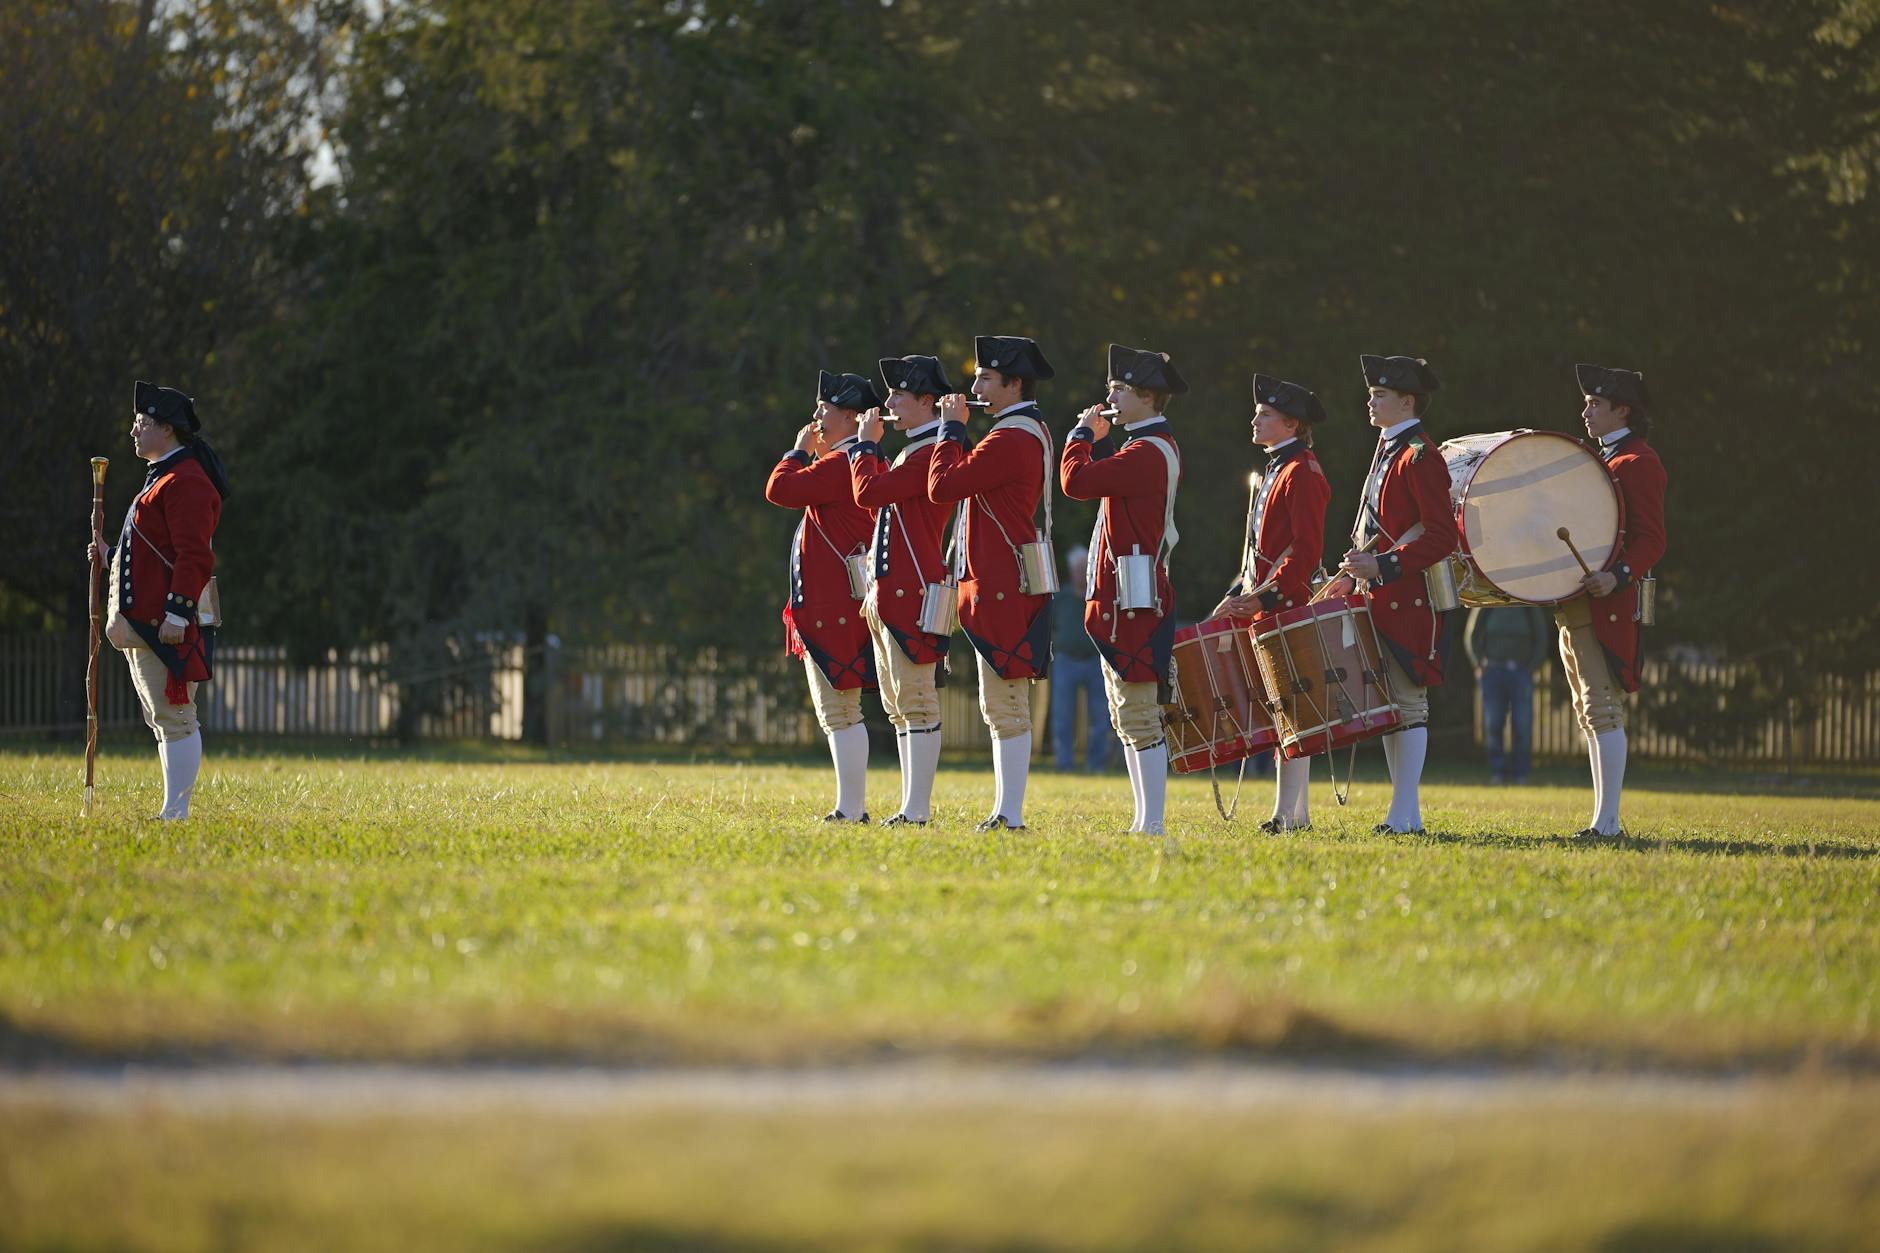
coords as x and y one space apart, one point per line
173 620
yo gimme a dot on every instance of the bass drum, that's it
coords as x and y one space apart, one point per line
1512 492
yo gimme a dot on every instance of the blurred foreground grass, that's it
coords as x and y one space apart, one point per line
516 906
1787 1165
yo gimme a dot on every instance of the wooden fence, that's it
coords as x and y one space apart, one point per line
656 695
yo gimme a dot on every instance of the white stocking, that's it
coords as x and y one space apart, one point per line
1153 764
901 751
1610 750
1406 813
923 761
1599 782
181 760
1015 758
849 747
1133 764
1289 787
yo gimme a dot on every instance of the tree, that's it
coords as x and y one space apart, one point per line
146 157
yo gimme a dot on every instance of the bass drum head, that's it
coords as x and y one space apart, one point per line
1513 500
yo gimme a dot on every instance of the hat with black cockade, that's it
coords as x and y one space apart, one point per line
847 391
1012 355
1151 371
166 405
1289 398
1620 387
1400 374
924 376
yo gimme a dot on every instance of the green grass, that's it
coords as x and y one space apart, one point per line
523 907
1788 1166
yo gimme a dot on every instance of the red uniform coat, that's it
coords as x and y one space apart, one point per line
1133 483
1003 477
910 530
164 561
1287 539
1409 485
1640 476
820 618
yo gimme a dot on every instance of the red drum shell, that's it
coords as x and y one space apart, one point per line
1325 693
1219 714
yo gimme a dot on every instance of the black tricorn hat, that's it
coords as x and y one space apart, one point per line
1621 387
924 376
1289 398
167 405
1400 374
1012 355
1152 371
847 391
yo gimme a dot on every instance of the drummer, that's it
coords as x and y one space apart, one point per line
1405 525
1599 632
1285 540
1137 485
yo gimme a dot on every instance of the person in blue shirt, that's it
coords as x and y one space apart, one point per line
1506 646
1076 669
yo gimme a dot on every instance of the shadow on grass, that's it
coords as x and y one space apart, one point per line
644 1238
1666 1236
1825 849
1718 780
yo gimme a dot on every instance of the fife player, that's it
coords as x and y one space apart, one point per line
906 556
1136 484
1002 478
1406 516
1599 632
822 619
160 566
1285 541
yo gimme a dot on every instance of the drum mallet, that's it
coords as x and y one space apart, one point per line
1565 535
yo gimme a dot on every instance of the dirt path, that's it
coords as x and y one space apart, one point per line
351 1091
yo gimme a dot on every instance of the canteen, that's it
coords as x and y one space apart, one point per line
1037 568
1135 580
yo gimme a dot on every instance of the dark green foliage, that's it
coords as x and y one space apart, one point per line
565 301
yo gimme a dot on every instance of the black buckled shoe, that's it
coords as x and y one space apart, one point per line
902 820
836 815
997 821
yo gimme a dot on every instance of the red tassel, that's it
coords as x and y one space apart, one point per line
175 690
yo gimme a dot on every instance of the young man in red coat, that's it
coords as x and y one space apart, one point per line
1405 525
1136 484
906 557
1285 540
1001 479
1599 632
161 563
823 617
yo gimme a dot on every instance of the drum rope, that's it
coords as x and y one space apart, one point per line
1351 764
1226 811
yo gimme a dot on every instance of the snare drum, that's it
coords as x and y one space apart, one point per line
1513 491
1324 674
1220 712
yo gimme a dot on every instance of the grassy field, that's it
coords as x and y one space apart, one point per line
1792 1167
518 907
482 903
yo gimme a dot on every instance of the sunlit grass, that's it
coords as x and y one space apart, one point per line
375 906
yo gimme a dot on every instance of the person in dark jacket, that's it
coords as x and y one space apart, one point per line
1506 645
